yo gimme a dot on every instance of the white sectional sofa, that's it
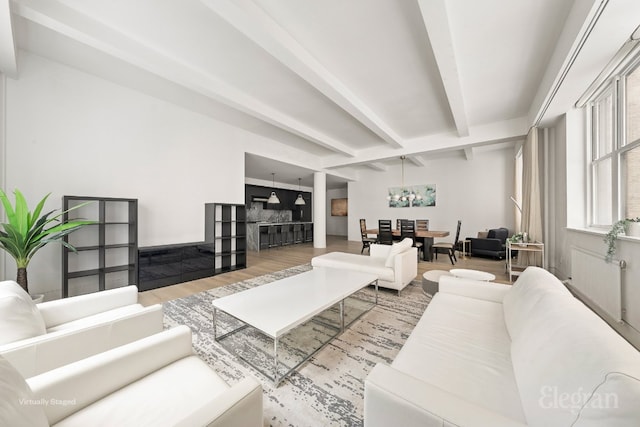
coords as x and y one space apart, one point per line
39 337
395 265
486 354
155 381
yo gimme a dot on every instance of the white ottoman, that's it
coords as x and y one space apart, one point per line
430 280
473 274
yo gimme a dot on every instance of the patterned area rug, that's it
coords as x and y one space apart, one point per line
328 390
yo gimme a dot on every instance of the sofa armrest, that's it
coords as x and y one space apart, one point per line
43 353
240 405
488 291
68 309
88 380
405 267
394 398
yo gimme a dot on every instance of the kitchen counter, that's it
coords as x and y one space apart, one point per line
256 231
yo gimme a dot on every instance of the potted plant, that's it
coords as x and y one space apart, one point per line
518 238
628 226
26 232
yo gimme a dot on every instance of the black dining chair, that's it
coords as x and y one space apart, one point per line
385 233
398 226
449 248
366 240
408 229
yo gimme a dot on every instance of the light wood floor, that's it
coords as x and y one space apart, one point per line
276 259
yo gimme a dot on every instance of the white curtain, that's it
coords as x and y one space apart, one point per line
517 205
531 196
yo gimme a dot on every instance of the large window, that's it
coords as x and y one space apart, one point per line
614 165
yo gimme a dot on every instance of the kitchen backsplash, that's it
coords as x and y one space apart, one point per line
257 213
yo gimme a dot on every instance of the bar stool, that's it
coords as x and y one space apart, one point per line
273 236
308 232
297 233
286 237
264 237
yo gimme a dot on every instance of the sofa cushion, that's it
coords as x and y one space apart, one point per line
525 293
18 407
498 233
398 248
354 262
461 345
136 406
572 368
98 318
19 315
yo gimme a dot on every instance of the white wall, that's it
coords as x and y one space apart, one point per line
70 133
474 191
337 225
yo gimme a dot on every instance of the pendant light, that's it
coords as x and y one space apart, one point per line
300 200
273 199
404 195
401 196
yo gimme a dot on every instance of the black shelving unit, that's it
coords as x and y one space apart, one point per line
225 227
107 254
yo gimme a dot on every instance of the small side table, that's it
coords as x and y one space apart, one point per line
526 247
431 280
466 248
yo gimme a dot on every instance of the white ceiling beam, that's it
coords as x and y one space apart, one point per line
468 153
377 166
97 35
593 32
436 21
255 24
8 60
416 160
492 133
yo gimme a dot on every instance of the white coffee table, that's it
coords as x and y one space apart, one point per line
276 308
473 274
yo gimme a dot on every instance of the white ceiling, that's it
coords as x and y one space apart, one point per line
346 84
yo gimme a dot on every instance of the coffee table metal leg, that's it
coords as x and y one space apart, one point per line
275 362
342 316
215 331
376 291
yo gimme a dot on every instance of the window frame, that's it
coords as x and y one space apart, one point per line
616 85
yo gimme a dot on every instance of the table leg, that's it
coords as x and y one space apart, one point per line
426 254
342 316
376 291
215 331
275 361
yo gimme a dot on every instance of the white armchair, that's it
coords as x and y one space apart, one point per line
154 381
39 337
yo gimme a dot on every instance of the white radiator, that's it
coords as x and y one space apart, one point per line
598 281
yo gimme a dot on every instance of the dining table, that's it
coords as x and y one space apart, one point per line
426 236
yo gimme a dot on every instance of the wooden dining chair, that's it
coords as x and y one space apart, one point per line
449 248
408 229
385 233
366 240
422 224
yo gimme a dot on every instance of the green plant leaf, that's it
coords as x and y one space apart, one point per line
27 232
8 207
